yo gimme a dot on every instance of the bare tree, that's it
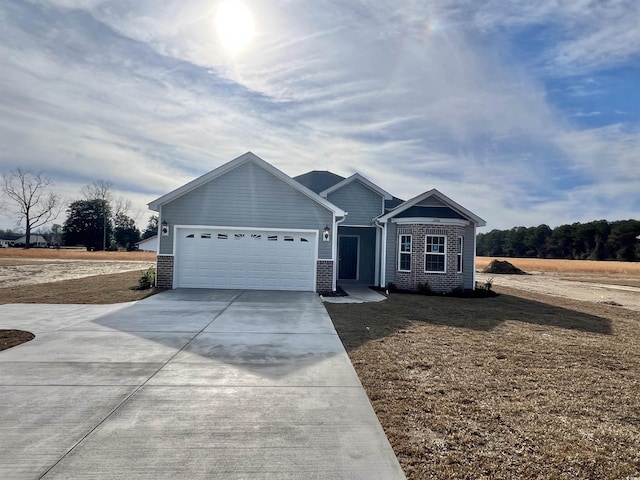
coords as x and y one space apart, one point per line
98 190
34 204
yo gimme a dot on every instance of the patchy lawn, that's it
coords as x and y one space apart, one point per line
517 386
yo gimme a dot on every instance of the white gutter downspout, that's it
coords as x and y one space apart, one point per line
383 254
473 287
335 249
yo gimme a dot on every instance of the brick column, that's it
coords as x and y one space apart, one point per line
324 276
164 271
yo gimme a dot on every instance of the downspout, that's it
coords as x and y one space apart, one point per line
383 254
335 249
473 287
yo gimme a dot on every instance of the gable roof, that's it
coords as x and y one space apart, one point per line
433 193
318 181
357 177
235 163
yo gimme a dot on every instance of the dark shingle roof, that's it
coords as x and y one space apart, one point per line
318 181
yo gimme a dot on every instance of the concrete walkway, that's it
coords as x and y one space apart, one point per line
189 384
356 294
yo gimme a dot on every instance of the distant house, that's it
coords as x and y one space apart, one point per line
36 240
148 244
8 240
246 224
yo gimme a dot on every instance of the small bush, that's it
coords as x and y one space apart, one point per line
148 279
424 289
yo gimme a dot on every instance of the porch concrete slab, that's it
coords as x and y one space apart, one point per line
40 424
42 318
356 294
226 432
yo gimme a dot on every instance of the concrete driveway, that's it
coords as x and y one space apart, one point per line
187 384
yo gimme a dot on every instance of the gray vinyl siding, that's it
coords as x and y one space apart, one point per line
468 259
392 245
431 202
362 203
247 196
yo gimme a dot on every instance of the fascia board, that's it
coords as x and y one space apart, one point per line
440 196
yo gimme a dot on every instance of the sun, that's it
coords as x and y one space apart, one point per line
234 24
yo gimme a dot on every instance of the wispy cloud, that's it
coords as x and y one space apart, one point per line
413 96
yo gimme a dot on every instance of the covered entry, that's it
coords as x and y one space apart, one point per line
357 255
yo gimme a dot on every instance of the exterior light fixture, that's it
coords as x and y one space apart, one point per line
326 234
164 228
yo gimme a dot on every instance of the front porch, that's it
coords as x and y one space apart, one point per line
358 255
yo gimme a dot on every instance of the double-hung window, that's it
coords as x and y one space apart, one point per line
435 255
404 255
460 250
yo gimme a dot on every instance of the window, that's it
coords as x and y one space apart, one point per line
191 235
205 235
287 238
256 236
222 236
404 255
272 238
435 256
460 250
238 236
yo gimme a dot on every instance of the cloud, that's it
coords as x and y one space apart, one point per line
414 96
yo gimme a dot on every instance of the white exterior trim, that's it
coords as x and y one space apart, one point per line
431 221
440 196
400 252
445 255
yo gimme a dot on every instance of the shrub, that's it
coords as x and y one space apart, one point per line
148 279
424 288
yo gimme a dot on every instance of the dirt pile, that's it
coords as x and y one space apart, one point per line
502 267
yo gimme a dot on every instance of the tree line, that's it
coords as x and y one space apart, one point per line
597 240
99 220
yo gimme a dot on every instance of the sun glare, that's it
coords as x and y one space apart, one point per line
234 24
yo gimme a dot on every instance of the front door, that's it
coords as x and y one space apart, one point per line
347 258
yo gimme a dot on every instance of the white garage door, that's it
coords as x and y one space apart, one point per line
245 258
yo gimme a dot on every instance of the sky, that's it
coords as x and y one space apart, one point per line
525 112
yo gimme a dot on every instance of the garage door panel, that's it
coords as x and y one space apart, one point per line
237 258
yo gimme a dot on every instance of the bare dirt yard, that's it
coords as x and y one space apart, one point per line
613 283
528 384
20 267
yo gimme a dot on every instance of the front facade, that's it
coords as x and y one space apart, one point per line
247 225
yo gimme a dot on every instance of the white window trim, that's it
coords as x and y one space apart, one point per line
400 252
433 253
460 255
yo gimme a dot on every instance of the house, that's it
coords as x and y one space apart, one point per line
247 225
35 240
148 244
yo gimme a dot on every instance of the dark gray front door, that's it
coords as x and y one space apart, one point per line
347 258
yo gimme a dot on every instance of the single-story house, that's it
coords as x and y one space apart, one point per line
148 244
248 225
35 240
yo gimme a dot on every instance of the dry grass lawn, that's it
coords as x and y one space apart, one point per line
73 254
566 266
516 386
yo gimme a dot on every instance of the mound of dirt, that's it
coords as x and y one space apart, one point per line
502 267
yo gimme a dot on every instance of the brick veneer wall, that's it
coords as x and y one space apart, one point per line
164 271
439 282
324 278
